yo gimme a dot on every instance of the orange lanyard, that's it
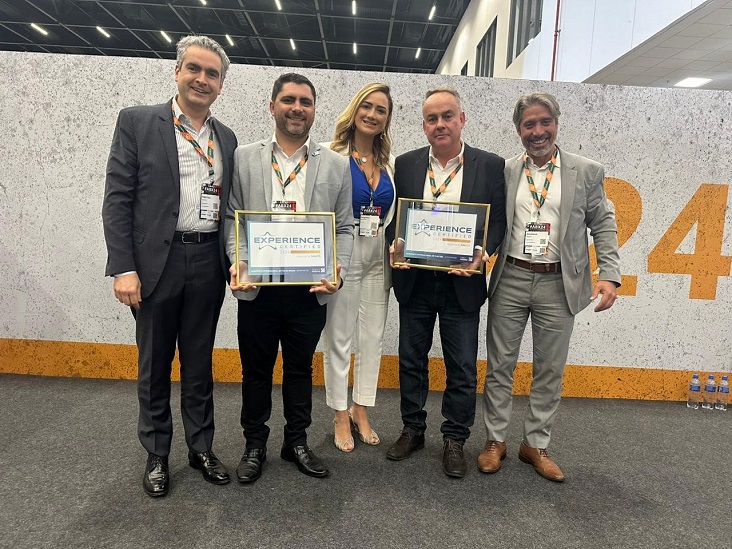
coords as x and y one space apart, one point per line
292 176
188 137
435 191
549 174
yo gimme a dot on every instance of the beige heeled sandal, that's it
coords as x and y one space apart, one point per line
372 439
344 445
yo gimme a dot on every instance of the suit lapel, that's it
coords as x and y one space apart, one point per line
265 158
515 167
568 172
311 173
470 171
420 173
167 137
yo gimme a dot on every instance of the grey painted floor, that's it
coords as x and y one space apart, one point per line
640 474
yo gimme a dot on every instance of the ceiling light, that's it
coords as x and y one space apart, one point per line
279 6
353 7
416 55
231 42
692 82
292 43
167 38
432 12
354 48
105 33
40 29
203 2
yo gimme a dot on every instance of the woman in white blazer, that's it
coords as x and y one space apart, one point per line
357 315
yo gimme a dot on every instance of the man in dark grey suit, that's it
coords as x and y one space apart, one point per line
552 198
168 181
288 172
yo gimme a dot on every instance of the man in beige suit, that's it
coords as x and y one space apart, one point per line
543 271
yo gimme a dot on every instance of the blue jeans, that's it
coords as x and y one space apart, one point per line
434 295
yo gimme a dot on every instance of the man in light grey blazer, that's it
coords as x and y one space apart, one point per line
543 271
289 172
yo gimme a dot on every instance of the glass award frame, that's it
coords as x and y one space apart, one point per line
285 248
441 236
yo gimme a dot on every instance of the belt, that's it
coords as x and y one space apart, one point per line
535 267
193 237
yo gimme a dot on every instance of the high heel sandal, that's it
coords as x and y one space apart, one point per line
372 439
344 445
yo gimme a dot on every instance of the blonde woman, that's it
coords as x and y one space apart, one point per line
358 314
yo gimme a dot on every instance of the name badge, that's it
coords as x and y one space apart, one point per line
210 202
536 238
369 221
284 206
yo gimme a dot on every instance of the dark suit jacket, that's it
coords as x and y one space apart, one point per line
142 192
482 183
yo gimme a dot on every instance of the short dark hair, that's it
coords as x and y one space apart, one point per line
291 78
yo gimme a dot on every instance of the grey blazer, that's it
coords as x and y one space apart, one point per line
142 192
327 189
584 205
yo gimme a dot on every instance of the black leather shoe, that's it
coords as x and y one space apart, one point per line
453 459
156 479
305 459
408 442
213 470
250 466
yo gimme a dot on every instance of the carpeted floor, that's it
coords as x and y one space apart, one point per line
640 474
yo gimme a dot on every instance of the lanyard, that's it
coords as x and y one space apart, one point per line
188 137
545 190
292 176
359 162
435 191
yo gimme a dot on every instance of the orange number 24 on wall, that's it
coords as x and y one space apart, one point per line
706 209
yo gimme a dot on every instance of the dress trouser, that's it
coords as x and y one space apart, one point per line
292 316
184 307
357 314
433 296
521 293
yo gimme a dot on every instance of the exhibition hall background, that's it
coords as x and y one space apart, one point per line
665 153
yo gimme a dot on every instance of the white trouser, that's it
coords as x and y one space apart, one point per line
357 315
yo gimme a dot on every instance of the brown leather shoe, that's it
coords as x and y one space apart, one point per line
541 462
489 460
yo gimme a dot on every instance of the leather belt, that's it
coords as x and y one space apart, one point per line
535 267
193 237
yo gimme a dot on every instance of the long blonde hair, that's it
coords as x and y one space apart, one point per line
346 127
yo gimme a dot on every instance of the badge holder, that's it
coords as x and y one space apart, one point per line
441 236
285 248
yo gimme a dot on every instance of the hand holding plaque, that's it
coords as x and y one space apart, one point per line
445 236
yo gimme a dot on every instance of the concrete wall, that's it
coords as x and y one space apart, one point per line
664 149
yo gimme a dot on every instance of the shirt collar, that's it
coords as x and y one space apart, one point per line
185 119
433 158
305 149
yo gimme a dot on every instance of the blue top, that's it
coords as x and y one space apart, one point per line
362 195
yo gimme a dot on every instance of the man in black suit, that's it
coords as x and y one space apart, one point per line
446 171
168 180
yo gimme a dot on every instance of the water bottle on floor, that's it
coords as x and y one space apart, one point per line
710 393
694 392
722 394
